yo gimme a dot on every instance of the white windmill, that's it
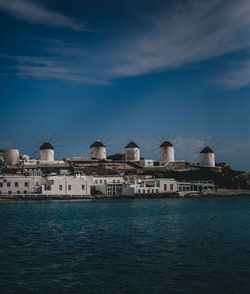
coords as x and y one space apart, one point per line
98 150
132 152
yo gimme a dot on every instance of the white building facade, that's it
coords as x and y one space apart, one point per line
15 184
49 185
155 186
67 185
147 162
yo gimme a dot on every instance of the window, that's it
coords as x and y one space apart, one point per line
18 192
16 184
96 181
8 184
139 191
60 187
100 181
25 192
148 191
26 184
165 187
69 187
143 191
47 187
0 192
83 187
105 181
9 192
153 191
156 191
1 185
171 187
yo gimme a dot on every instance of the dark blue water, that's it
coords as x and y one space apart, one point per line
161 246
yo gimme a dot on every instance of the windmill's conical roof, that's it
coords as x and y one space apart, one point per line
132 145
97 143
166 144
207 150
46 145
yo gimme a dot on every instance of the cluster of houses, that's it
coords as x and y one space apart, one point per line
80 185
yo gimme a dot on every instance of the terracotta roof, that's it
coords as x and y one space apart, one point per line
97 144
132 145
206 150
46 145
166 144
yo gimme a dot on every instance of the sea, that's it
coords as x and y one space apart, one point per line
131 246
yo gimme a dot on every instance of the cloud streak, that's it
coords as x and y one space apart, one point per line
36 13
192 31
236 77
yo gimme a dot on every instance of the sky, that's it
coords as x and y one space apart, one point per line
142 70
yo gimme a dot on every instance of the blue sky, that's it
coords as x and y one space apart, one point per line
126 70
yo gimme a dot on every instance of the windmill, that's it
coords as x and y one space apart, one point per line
98 146
206 151
167 145
132 152
46 146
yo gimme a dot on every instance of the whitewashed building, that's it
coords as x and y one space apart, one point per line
99 180
147 162
112 186
20 184
115 189
197 187
49 185
67 185
155 186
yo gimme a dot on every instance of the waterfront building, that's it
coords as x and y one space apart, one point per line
67 185
20 184
115 189
132 152
196 187
100 180
49 185
155 186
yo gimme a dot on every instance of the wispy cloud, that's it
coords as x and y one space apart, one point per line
36 13
193 31
237 76
190 32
